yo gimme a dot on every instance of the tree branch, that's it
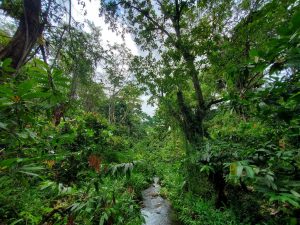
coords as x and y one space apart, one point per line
59 48
253 79
213 102
152 20
50 79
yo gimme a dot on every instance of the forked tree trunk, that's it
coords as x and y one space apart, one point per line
29 30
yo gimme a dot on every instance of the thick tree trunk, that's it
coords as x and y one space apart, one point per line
219 183
189 59
192 126
29 30
193 121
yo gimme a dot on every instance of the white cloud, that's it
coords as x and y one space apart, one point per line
108 36
149 109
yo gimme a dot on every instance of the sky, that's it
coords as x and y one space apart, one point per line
108 36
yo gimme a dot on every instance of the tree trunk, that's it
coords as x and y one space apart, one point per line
193 120
219 183
111 110
192 126
189 59
29 30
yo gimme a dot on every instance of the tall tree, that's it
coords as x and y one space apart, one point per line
241 46
177 32
31 26
116 74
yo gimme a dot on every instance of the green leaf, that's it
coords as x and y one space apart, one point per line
206 169
31 134
254 53
47 184
104 218
239 170
23 135
17 221
5 102
31 167
8 162
296 194
249 171
25 87
37 94
296 20
30 174
3 126
6 66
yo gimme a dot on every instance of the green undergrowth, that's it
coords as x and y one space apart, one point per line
167 157
189 208
83 173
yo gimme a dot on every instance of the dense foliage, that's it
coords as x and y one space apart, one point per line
76 147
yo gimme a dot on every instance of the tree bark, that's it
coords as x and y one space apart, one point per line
192 125
189 59
29 30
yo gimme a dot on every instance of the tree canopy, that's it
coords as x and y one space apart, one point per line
76 146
